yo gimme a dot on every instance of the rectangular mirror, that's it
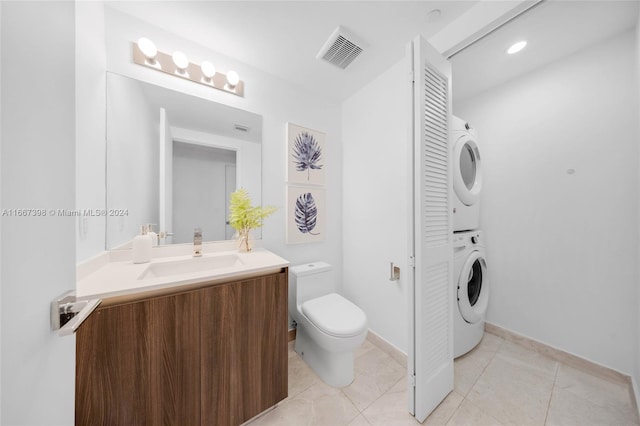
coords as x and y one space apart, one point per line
173 160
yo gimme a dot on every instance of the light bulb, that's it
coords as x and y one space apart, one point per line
148 48
233 78
208 69
181 60
516 47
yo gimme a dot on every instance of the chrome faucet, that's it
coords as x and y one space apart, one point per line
197 242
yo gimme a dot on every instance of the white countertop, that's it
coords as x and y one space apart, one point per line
122 278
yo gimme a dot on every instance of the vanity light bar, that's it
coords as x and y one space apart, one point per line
164 62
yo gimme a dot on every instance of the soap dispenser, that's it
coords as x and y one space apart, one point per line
142 246
152 234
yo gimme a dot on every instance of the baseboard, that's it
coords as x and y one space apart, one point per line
389 348
560 355
392 350
635 394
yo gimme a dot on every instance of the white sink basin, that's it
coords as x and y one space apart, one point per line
190 265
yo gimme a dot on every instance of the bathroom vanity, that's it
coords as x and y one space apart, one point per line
210 351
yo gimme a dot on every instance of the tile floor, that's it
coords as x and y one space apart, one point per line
498 383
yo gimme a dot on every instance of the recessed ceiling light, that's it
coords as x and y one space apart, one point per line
516 47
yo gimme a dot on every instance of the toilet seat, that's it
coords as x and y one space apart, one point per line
335 315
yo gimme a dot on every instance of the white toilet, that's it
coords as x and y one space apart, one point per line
330 327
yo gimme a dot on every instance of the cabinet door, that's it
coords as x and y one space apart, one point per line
139 364
243 349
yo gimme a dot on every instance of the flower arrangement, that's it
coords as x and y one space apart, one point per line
243 217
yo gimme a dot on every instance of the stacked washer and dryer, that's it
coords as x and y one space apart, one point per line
471 285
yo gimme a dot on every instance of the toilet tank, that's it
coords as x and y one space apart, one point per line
309 281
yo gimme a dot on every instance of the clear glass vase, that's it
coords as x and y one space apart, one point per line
244 241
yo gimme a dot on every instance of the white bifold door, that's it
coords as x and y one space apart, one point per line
431 334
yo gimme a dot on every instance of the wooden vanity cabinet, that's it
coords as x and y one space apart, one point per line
212 356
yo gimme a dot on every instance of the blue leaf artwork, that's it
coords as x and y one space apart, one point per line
306 213
307 153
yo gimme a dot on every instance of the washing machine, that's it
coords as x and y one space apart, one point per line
471 289
467 176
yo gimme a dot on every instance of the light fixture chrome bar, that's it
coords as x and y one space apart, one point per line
458 49
164 62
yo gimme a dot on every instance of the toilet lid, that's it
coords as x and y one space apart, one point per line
335 315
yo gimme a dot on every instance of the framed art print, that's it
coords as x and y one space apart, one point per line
306 214
306 156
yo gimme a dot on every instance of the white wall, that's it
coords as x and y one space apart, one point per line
38 253
276 100
376 203
562 248
133 135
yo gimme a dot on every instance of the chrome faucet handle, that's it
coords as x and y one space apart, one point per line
197 242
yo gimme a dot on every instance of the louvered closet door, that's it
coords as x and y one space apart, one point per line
433 288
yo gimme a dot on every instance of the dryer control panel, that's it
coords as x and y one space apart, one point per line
463 239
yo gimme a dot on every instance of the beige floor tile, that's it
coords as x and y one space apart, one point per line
469 414
466 372
319 405
568 409
363 349
360 421
513 393
468 367
375 373
392 409
528 359
594 389
445 411
400 386
490 342
301 376
503 382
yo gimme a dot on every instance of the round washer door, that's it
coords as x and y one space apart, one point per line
473 288
467 173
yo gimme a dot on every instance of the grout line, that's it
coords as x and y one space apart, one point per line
481 409
483 369
555 377
481 373
453 413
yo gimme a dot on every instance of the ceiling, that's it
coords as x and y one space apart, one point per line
553 29
283 37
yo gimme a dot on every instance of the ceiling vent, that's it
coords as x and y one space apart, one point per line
241 128
341 48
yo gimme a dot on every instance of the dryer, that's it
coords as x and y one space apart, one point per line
467 176
471 289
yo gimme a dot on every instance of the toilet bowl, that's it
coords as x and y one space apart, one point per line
329 327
